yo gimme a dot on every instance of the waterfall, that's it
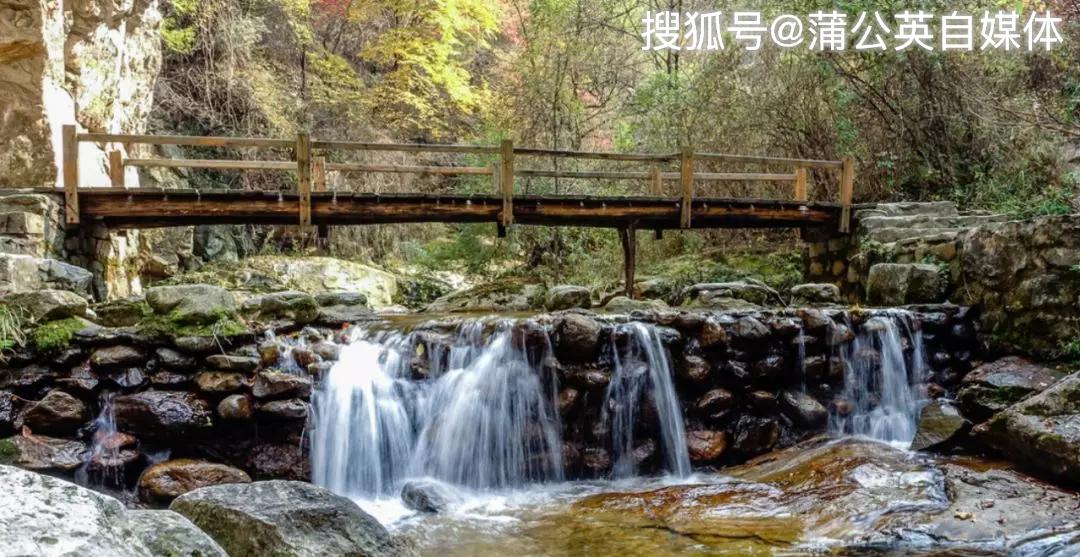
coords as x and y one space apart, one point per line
881 384
482 418
641 368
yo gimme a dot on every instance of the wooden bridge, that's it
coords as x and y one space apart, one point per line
312 205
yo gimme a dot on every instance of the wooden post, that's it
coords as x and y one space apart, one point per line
70 145
318 177
303 176
847 188
627 235
495 173
800 183
506 182
656 184
686 184
116 169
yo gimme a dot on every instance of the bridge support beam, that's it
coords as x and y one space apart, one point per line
628 237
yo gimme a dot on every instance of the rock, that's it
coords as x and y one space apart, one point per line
695 369
891 284
596 460
818 293
770 368
279 461
344 314
197 344
761 401
162 413
58 413
121 313
341 299
173 360
169 379
37 452
712 334
283 518
8 413
170 479
750 291
940 426
236 407
705 446
622 304
568 398
243 364
43 515
292 306
994 386
29 378
303 357
48 305
1042 431
576 338
715 404
750 329
428 496
503 295
291 409
117 356
275 384
567 296
269 353
328 351
191 303
754 435
803 409
218 382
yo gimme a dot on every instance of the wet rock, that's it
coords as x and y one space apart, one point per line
304 357
169 379
275 384
341 299
219 382
761 402
176 361
736 370
159 414
68 357
335 315
576 338
755 435
839 335
695 369
29 378
567 296
568 399
705 446
58 413
712 334
428 496
191 303
1042 431
597 460
128 378
750 291
771 367
43 515
170 479
940 427
8 413
269 353
994 386
229 362
117 356
785 327
279 461
893 284
328 351
821 293
645 452
289 306
291 409
715 404
37 452
815 368
284 518
236 407
197 345
622 304
803 409
750 329
48 305
814 319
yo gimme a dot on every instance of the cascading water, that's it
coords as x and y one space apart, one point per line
881 384
641 368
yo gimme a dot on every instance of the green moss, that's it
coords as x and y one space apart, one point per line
780 270
172 325
9 453
55 336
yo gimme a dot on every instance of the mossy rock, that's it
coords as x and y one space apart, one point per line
54 336
122 313
173 325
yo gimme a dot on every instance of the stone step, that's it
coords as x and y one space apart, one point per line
933 208
928 221
890 235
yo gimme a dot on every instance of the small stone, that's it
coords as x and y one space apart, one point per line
269 353
229 362
715 404
304 357
705 446
236 408
568 398
566 297
217 382
748 328
168 480
803 409
695 369
176 361
291 409
117 356
57 413
275 384
328 351
712 334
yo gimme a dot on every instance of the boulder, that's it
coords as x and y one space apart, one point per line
713 334
219 382
162 413
170 479
750 291
346 298
567 296
504 295
705 446
892 284
291 306
428 496
803 409
236 407
276 384
994 386
291 409
577 338
622 304
48 305
37 452
817 293
940 427
1042 431
715 404
191 303
57 413
284 518
229 362
755 435
43 515
117 356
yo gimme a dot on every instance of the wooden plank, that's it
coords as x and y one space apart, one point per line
318 184
582 174
754 159
405 147
506 181
116 169
800 184
656 182
495 174
202 141
734 176
70 145
686 186
628 238
597 155
847 190
211 163
303 177
403 169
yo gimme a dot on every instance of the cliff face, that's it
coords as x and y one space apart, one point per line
88 62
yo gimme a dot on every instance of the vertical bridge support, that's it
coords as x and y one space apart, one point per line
506 183
303 177
628 237
71 174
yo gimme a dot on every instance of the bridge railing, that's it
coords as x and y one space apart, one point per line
311 168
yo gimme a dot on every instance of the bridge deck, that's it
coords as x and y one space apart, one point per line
149 208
